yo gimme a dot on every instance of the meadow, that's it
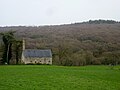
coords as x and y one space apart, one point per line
45 77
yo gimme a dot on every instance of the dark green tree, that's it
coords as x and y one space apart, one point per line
18 50
8 39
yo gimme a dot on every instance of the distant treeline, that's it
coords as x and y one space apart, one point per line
100 21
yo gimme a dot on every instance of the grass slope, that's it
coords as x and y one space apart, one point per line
40 77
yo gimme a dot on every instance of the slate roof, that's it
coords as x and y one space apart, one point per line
37 53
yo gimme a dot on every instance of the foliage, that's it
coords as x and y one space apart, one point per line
100 21
75 44
11 47
18 50
8 39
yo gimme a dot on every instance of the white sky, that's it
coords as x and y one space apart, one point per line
49 12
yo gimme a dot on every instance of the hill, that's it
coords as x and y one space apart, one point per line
80 42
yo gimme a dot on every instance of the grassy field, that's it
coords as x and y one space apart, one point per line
40 77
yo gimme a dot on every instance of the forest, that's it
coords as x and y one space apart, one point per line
96 42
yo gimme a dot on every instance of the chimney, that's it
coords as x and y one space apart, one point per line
23 45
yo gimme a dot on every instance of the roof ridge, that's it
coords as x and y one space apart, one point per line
37 49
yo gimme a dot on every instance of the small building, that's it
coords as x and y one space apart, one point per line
36 56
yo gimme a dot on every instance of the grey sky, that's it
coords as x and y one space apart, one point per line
49 12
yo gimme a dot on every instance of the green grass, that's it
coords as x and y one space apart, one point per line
41 77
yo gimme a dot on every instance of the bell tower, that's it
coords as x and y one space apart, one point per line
23 49
23 45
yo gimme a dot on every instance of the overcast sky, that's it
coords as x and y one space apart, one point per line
49 12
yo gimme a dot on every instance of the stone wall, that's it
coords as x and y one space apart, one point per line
38 60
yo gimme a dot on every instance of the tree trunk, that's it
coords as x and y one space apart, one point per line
8 53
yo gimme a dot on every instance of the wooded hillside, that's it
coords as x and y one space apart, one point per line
74 44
